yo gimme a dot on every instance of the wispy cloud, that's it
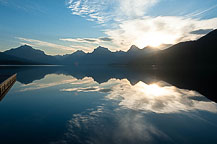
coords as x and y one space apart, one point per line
4 2
129 24
39 43
87 40
87 44
29 6
197 13
103 10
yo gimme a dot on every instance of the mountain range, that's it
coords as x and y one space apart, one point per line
200 52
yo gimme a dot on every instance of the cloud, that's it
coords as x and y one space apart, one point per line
153 31
88 44
4 2
201 31
39 43
194 14
103 10
87 40
131 9
128 23
87 48
105 39
81 40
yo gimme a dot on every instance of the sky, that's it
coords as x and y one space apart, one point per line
64 26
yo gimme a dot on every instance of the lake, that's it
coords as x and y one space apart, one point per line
108 105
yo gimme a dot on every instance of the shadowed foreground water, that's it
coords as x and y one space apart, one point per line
61 105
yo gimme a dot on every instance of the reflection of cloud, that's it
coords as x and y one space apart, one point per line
89 85
159 99
47 82
105 125
88 89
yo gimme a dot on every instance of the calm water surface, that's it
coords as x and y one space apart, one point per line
64 106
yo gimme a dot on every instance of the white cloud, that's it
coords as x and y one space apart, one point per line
134 9
157 30
129 25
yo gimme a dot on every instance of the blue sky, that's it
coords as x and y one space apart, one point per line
64 26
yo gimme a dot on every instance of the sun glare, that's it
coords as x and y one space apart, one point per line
152 90
154 39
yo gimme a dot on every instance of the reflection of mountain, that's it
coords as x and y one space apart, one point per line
201 80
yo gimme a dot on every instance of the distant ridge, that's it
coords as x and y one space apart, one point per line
200 52
28 53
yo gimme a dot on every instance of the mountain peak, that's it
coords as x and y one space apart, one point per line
101 49
24 47
133 48
79 52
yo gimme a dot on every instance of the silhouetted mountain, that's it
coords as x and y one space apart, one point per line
134 51
192 53
28 53
12 60
73 58
100 55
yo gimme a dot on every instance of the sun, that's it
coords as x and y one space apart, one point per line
154 39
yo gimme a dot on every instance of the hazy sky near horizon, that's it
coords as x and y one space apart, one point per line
64 26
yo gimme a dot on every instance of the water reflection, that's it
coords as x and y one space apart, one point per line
120 127
200 80
81 107
159 97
